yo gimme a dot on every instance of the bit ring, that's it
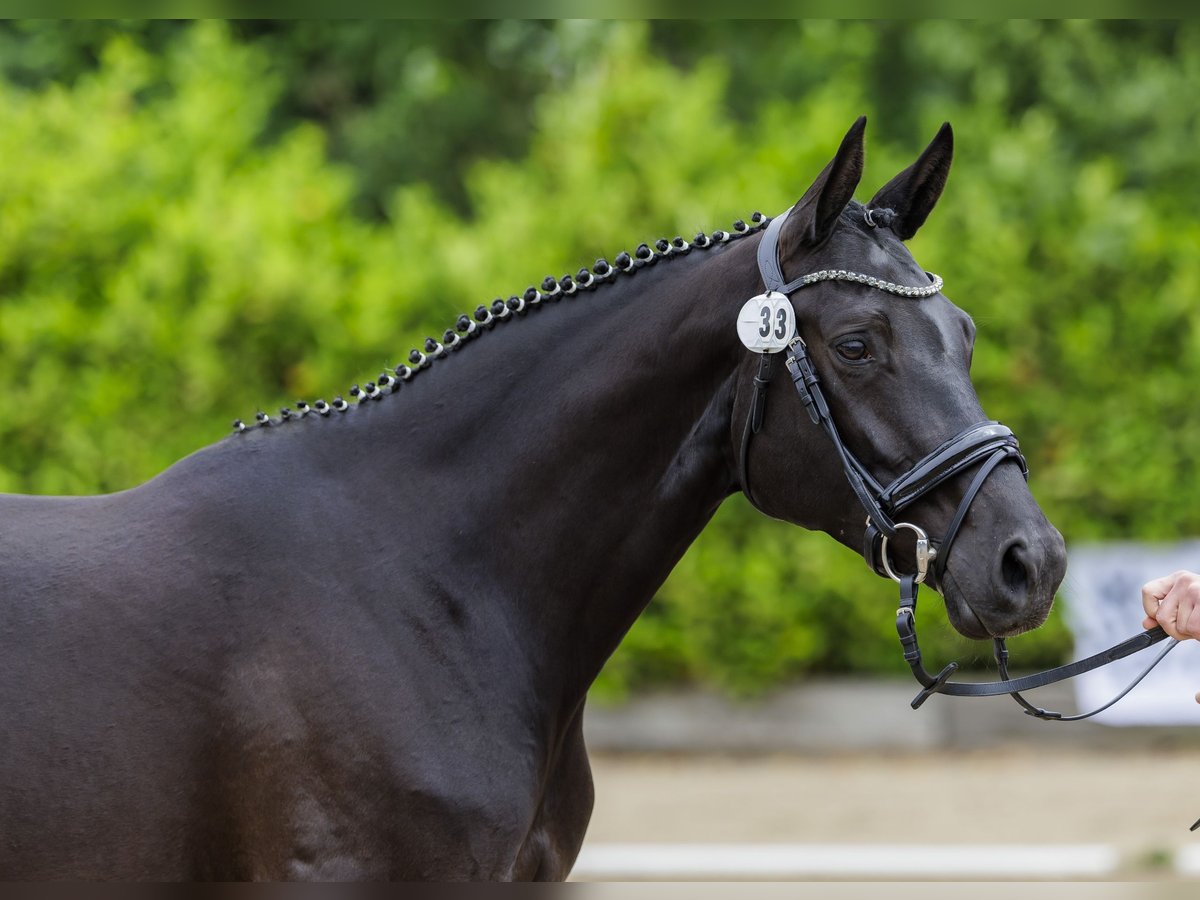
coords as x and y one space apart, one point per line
925 552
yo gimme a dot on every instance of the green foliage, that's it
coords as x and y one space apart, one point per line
183 240
149 253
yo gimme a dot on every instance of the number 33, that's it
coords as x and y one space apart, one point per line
781 323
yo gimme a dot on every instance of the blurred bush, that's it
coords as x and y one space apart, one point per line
199 220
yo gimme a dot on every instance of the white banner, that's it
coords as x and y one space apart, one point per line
1103 594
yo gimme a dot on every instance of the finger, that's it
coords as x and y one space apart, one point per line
1187 617
1154 591
1188 623
1149 622
1168 610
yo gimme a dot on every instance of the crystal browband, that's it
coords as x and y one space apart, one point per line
928 290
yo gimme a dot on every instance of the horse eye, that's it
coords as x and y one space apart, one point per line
854 351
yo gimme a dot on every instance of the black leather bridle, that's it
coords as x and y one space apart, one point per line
981 447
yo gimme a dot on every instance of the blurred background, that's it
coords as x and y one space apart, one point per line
203 219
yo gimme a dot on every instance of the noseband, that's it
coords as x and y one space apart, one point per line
982 447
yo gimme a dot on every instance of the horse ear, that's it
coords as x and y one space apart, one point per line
812 219
914 192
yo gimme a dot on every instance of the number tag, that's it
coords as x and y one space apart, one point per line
767 322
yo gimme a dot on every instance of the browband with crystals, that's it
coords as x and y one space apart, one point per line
772 274
891 287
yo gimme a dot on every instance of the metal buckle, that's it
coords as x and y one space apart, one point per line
925 552
795 345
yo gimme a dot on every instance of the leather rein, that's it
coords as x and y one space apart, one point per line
982 447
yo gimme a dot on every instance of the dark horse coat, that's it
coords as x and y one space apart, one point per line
358 645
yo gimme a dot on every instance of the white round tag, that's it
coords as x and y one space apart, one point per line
767 322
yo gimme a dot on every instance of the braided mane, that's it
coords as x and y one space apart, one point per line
487 317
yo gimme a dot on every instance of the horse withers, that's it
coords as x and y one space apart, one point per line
354 640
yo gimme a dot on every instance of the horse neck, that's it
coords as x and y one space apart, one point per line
565 461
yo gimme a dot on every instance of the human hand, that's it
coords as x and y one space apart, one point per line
1173 602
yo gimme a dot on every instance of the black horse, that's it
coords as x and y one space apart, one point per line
354 640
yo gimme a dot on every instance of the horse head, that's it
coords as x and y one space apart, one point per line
892 355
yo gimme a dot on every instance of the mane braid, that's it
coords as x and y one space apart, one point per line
486 317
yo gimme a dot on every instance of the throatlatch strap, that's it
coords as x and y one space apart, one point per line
758 408
758 405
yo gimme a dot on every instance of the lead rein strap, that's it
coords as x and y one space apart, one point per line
939 684
906 627
1001 652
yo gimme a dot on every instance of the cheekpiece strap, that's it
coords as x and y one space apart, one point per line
808 386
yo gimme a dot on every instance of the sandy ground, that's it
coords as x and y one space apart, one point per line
1140 801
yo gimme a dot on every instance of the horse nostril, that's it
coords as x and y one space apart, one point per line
1014 569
